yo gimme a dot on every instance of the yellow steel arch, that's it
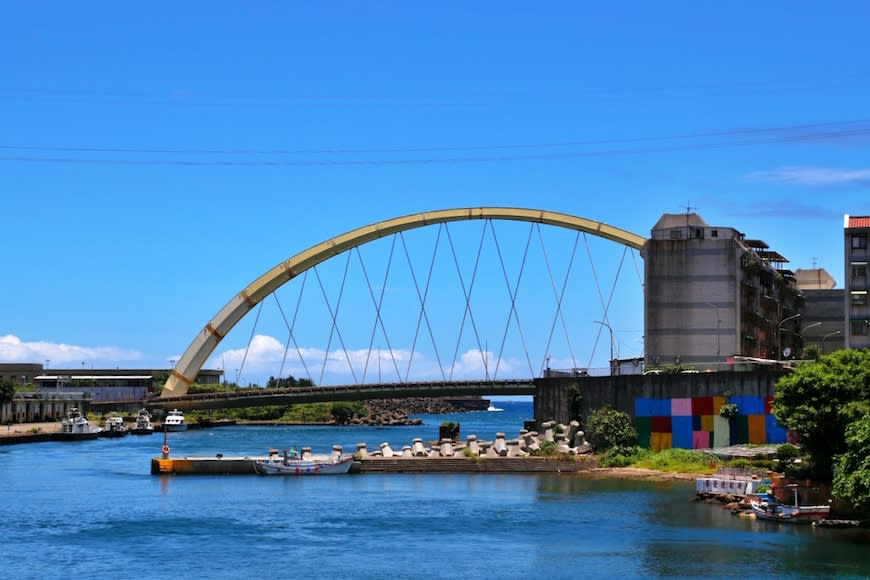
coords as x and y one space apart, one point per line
206 341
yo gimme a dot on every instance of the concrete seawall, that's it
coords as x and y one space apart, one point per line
245 465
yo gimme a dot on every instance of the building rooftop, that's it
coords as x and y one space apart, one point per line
756 244
814 279
856 221
676 220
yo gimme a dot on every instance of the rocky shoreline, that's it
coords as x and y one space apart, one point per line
396 412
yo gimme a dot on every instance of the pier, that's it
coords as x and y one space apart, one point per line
245 465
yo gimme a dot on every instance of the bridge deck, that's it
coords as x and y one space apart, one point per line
259 397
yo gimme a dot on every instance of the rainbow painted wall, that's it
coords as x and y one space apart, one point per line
694 423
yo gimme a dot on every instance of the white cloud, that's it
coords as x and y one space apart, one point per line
13 349
263 358
815 176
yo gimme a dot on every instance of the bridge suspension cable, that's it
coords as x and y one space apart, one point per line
345 305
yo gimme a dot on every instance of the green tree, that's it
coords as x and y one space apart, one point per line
575 401
812 352
852 468
7 391
819 399
608 428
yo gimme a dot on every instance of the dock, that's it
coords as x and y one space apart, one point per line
245 465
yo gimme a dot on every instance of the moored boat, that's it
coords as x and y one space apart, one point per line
174 421
114 427
774 510
295 465
76 427
143 423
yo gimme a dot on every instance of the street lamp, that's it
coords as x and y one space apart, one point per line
718 337
826 337
611 342
803 331
779 335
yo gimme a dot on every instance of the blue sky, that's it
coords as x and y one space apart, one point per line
156 158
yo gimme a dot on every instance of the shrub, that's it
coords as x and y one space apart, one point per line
786 454
677 460
344 412
622 456
608 428
547 448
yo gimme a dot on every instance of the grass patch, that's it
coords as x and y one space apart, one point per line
677 461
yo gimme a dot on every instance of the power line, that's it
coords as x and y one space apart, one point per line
328 151
614 152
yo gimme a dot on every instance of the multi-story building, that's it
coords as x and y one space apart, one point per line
856 232
823 309
711 294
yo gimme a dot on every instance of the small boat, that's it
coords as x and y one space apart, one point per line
294 465
493 408
143 423
174 421
76 427
114 427
771 509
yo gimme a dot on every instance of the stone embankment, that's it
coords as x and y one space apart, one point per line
566 441
396 411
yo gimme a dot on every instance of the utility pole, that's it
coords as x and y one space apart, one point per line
610 330
779 335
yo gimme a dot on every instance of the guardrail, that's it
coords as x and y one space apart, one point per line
342 391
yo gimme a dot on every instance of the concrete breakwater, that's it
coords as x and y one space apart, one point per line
557 448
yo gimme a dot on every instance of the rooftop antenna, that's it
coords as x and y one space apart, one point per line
689 209
814 262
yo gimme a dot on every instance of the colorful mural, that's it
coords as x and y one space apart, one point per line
695 423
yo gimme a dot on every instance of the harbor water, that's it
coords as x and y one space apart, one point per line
93 509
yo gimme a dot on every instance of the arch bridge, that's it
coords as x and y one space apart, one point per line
207 340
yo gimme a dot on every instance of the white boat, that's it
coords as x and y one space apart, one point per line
174 421
774 510
294 465
114 427
493 408
143 423
76 427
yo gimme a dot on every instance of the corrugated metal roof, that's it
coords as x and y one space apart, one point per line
859 221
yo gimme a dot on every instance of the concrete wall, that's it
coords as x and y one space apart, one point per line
679 410
37 407
826 307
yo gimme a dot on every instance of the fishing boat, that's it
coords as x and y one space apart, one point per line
771 509
174 421
143 423
76 427
114 427
292 464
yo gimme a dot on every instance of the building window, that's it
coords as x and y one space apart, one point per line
859 269
860 327
859 241
676 234
714 233
859 298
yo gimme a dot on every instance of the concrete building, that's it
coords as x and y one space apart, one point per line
97 384
856 231
711 294
823 312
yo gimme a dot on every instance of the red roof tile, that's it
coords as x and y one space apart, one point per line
859 221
